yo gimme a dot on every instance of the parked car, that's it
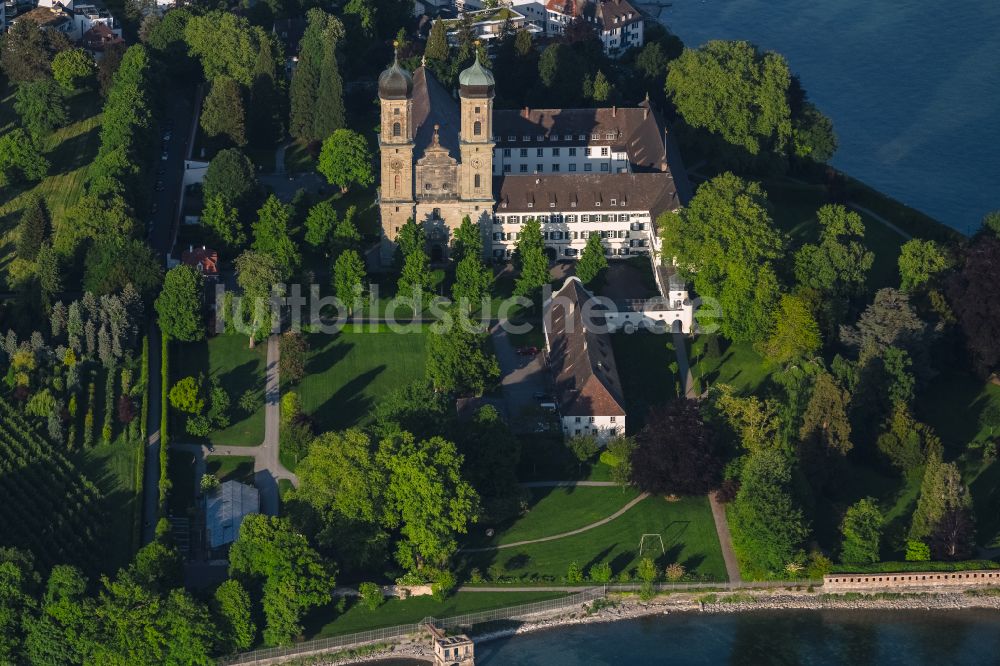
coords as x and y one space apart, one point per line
165 155
527 351
548 406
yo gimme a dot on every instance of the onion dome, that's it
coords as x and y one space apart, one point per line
476 81
395 82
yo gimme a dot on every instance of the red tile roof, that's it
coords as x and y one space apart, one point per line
202 259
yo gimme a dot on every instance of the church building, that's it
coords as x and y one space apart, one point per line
608 171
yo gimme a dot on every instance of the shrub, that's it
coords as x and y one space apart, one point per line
647 570
443 586
675 572
495 571
600 573
371 595
574 574
209 482
917 551
475 576
818 566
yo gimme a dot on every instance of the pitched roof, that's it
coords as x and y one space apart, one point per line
637 130
609 10
580 354
202 259
225 510
653 192
432 105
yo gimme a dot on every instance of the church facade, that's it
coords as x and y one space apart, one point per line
608 171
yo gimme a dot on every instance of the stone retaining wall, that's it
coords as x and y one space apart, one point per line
910 579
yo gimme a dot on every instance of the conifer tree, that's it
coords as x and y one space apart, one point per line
223 112
329 114
265 121
33 228
592 261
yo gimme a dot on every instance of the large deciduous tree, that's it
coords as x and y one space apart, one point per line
348 277
258 275
41 105
675 452
592 261
231 175
862 530
346 160
727 237
459 360
226 44
272 236
530 260
795 335
974 294
73 67
20 158
839 264
179 304
920 261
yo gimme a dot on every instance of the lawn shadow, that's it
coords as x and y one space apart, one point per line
597 559
349 405
621 561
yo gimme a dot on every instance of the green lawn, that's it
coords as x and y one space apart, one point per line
239 369
348 373
180 470
686 527
113 469
737 365
545 457
555 510
408 611
954 393
70 150
644 366
230 468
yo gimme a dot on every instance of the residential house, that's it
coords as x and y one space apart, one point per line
489 24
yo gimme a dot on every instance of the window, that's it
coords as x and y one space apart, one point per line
395 183
555 168
539 152
478 109
614 202
604 152
539 168
588 152
540 138
568 137
595 136
478 180
613 418
593 419
604 167
506 168
527 138
572 152
395 111
585 218
578 419
609 136
397 129
477 128
583 137
555 152
524 168
524 152
572 167
588 167
506 152
511 137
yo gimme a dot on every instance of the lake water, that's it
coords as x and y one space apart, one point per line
800 638
912 86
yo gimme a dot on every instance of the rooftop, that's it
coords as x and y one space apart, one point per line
225 510
587 192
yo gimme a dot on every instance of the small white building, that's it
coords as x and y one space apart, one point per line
489 24
589 392
618 23
671 312
225 509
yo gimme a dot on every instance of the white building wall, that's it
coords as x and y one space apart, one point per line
518 160
622 233
603 427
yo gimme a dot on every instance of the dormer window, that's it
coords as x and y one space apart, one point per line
614 202
583 137
595 136
512 138
597 203
531 205
527 138
540 138
568 137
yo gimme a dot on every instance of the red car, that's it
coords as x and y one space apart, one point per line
527 351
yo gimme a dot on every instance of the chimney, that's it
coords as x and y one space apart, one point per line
526 111
645 112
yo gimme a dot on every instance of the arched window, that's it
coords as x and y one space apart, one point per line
397 129
478 181
477 128
395 183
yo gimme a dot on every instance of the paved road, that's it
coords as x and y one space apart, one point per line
587 528
151 470
879 218
522 378
683 367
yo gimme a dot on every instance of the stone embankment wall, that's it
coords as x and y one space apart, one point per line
910 579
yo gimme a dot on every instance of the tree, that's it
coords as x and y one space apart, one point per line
733 90
425 497
258 275
812 134
468 240
920 261
954 537
233 616
561 72
271 236
112 263
941 491
795 335
905 442
48 271
295 577
531 260
71 67
767 526
584 447
991 222
222 112
329 113
415 278
33 228
603 90
973 293
675 452
839 264
458 361
756 422
322 34
294 349
727 236
890 321
346 160
264 121
345 233
25 52
437 49
65 624
371 595
231 175
592 261
108 67
20 158
226 44
224 221
320 223
179 304
862 530
186 396
473 279
41 106
825 421
348 278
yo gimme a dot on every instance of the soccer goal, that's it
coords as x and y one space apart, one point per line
654 539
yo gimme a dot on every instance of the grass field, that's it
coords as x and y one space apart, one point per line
407 611
686 527
348 373
70 150
644 366
239 369
230 468
545 457
737 365
555 510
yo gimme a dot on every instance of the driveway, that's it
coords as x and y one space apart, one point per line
522 377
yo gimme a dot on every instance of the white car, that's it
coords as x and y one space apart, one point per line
165 155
